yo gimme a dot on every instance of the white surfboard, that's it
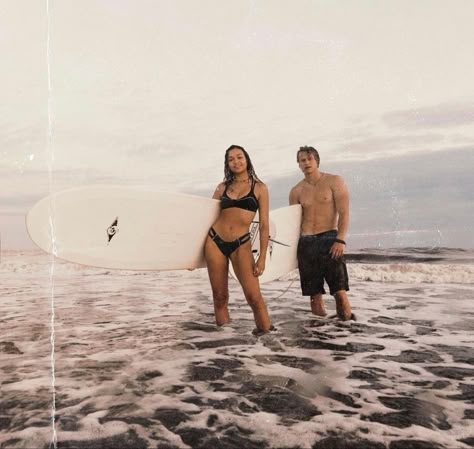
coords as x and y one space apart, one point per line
285 224
124 227
142 229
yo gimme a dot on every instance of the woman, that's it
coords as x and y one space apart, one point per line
241 195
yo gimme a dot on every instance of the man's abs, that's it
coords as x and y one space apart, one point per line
318 218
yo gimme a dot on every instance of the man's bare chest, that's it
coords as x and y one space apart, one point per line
314 197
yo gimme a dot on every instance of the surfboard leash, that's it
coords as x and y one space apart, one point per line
289 286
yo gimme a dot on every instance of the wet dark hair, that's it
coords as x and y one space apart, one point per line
308 151
228 175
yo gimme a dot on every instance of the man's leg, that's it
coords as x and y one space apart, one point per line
317 305
310 278
343 308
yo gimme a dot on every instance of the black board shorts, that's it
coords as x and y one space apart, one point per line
316 265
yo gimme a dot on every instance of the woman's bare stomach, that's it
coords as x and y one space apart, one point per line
232 227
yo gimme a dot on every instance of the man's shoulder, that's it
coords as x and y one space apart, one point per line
334 179
297 185
337 184
295 193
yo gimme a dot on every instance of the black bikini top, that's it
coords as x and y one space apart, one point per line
247 202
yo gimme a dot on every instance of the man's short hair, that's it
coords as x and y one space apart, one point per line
308 151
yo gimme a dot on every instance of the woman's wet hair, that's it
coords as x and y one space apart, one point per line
308 151
228 175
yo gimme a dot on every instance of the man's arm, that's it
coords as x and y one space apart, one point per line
341 201
293 199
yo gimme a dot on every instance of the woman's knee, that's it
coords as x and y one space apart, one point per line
221 298
255 301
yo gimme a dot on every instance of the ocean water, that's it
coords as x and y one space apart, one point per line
127 359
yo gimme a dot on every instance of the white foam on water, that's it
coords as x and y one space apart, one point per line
131 341
406 272
413 272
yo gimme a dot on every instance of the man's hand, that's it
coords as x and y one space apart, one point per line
337 250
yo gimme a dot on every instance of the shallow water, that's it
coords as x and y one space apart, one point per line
139 363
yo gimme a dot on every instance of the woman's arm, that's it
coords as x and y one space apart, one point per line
218 192
264 227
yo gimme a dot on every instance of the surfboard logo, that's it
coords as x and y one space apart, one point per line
112 230
254 231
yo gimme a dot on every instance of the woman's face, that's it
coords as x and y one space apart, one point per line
236 161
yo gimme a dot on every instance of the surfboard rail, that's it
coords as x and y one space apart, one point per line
137 228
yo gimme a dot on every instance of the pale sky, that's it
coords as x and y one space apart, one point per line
153 92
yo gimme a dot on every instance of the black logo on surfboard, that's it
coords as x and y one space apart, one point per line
112 230
254 232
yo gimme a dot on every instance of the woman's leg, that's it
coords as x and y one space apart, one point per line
243 263
218 270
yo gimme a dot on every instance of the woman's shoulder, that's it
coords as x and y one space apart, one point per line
219 190
260 186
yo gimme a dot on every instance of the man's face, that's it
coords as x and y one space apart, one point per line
307 162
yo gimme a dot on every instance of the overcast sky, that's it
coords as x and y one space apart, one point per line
152 92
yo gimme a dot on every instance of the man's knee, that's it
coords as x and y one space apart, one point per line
317 305
316 297
340 295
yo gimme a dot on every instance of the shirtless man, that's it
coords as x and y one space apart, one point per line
325 202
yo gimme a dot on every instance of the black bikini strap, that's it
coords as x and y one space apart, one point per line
224 193
244 239
253 185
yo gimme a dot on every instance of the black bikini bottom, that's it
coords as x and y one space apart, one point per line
227 248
